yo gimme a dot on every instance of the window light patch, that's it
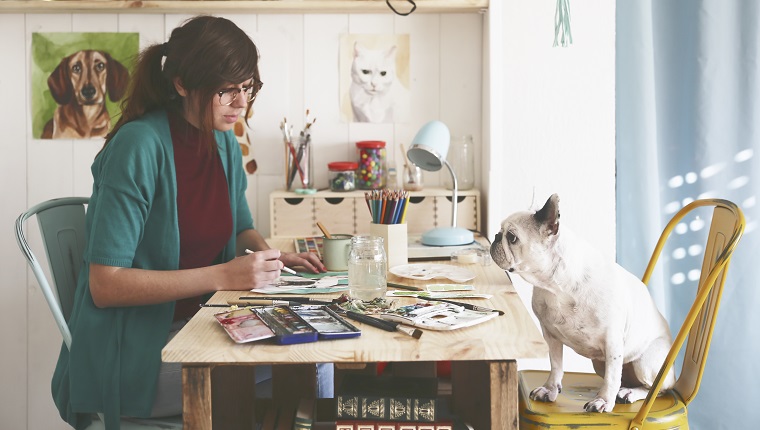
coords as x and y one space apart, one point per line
694 275
744 155
679 253
691 177
749 202
695 250
678 278
672 207
738 182
681 228
710 171
697 224
675 181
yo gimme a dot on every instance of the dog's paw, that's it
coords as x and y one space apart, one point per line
630 395
546 394
598 405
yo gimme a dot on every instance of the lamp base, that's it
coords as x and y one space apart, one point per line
447 236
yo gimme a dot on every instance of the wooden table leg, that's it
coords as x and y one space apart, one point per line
196 397
484 393
233 397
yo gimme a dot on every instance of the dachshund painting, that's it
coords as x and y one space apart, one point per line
80 84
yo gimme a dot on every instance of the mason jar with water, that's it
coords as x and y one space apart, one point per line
367 268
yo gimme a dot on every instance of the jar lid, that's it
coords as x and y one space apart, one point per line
370 144
343 165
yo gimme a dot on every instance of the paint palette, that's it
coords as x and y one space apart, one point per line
423 272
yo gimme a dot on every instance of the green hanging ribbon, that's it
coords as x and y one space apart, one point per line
562 34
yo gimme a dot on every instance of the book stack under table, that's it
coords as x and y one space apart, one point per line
368 402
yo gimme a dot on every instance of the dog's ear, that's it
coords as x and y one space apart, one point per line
59 83
548 216
117 78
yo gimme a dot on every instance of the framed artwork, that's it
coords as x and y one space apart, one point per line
77 81
374 78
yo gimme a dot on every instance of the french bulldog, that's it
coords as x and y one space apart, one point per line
587 302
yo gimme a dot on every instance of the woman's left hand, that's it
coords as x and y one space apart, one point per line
307 260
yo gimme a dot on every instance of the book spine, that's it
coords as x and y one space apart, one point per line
392 425
386 408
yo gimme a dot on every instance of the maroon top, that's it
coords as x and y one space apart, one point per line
203 204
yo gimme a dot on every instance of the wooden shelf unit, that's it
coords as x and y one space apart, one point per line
296 215
229 6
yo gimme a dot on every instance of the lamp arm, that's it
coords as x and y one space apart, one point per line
454 197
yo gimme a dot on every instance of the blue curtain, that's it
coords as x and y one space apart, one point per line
688 126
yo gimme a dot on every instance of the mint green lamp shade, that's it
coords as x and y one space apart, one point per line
428 152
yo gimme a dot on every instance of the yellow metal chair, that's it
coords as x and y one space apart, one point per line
668 411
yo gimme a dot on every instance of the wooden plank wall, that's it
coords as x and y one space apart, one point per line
299 63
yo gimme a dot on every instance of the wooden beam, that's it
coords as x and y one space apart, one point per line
230 6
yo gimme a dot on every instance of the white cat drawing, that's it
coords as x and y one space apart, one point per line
376 94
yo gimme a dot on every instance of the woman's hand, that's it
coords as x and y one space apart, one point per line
307 260
253 270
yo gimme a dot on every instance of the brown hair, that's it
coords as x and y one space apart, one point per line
205 53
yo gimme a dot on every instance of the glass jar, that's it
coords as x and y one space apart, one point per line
461 156
367 268
371 157
342 175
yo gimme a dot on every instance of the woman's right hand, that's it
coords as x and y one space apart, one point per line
253 270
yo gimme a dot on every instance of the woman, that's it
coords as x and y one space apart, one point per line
167 224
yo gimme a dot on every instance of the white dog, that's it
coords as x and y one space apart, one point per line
588 303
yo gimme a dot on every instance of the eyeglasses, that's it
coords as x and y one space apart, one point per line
228 96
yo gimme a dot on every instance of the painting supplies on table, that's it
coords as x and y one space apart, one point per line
262 302
327 323
465 305
403 287
299 300
387 206
308 244
384 325
443 316
439 294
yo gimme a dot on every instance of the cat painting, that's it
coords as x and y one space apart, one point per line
376 93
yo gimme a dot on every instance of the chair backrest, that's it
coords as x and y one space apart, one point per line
726 228
62 225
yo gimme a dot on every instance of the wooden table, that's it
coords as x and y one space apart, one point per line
484 367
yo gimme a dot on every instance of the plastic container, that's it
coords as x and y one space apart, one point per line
371 158
461 156
367 268
342 175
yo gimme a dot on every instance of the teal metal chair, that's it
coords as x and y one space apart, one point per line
62 225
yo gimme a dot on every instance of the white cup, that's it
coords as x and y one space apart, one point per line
335 252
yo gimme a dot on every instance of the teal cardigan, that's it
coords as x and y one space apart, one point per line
115 354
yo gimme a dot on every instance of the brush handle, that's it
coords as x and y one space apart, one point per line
374 322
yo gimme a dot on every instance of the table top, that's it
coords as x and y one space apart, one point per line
506 337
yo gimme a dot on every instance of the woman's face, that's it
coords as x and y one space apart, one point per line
225 115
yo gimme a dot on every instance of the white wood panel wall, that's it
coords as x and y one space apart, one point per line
299 65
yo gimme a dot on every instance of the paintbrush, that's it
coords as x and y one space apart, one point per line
384 325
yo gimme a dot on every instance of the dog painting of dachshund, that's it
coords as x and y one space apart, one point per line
81 85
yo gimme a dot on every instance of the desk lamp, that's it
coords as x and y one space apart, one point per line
428 152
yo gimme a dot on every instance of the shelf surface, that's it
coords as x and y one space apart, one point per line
255 6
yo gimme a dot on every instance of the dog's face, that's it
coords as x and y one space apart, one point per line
86 76
525 243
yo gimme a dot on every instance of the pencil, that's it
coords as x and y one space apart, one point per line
284 268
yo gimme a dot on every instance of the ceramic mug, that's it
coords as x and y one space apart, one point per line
335 252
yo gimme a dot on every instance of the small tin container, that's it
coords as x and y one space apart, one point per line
342 175
371 173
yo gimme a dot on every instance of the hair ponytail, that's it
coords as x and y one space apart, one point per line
148 89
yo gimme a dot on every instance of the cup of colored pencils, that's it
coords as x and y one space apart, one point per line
388 210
